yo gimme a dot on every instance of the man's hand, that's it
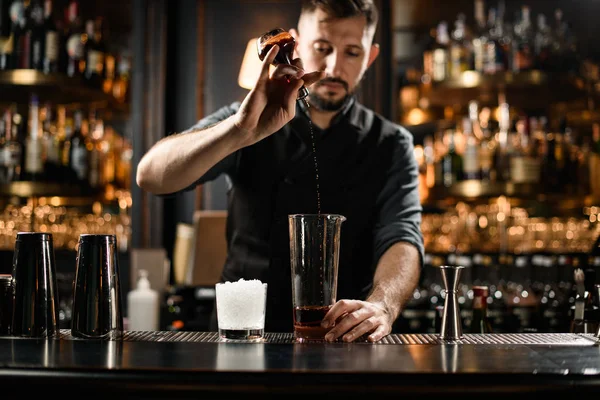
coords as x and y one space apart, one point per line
272 102
351 319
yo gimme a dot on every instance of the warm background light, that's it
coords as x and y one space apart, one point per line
250 68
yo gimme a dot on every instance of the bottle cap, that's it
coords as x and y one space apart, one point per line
480 291
143 282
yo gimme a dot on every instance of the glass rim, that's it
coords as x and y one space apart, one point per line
316 216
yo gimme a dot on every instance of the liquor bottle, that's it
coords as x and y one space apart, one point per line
480 322
428 56
12 149
441 53
487 147
503 149
75 65
452 162
94 150
66 27
480 36
523 58
21 38
550 168
52 41
95 51
38 35
461 52
34 162
499 45
542 43
50 143
471 158
78 152
523 167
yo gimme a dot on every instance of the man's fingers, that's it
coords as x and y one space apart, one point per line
287 71
346 324
291 95
267 61
340 308
298 63
360 330
378 334
312 77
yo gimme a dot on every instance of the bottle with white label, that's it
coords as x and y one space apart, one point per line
143 305
34 163
51 41
95 52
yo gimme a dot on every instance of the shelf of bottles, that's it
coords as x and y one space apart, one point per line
483 148
65 157
533 63
509 170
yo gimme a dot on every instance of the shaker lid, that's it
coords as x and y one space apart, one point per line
34 236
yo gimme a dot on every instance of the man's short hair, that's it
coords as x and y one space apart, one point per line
344 9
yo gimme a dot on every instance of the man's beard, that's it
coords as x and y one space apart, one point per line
323 104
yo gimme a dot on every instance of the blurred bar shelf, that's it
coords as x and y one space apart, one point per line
45 189
473 190
61 194
530 89
18 85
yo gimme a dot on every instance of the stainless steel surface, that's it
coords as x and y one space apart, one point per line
97 310
528 339
451 326
35 290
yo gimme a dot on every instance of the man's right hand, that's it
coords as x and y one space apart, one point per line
272 102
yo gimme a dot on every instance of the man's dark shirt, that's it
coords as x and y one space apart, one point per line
367 172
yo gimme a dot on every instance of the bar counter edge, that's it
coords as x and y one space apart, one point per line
184 369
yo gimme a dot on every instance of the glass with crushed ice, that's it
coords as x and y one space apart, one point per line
241 308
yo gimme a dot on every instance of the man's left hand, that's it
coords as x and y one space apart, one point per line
351 319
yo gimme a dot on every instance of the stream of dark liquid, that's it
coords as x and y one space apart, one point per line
314 151
311 331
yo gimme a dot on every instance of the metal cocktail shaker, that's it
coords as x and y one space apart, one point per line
35 291
97 309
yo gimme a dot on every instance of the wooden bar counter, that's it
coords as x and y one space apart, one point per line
199 365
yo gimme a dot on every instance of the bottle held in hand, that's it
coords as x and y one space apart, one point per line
286 43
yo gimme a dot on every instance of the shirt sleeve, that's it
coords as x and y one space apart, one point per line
399 206
226 165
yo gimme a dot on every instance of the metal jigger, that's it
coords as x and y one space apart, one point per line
451 328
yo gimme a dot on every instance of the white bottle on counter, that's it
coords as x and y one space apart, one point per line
143 306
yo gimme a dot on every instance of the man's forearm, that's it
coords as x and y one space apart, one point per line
396 277
177 161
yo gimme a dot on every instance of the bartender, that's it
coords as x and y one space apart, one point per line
263 145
